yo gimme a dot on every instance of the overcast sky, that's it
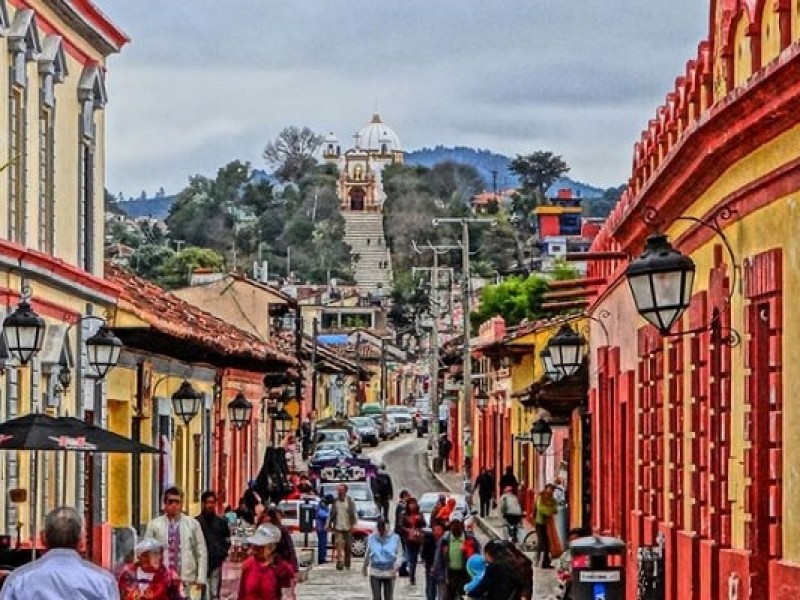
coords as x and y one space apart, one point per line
208 81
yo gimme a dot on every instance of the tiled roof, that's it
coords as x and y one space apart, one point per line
172 316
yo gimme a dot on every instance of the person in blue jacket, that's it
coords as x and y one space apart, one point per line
320 521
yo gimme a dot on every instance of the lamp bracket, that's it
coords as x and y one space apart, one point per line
714 222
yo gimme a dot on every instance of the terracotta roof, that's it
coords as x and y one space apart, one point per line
170 315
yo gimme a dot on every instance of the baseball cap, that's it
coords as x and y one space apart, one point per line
265 535
147 545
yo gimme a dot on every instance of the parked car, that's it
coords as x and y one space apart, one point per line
367 430
360 492
291 519
388 430
352 439
403 416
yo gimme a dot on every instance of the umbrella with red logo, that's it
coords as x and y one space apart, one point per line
37 431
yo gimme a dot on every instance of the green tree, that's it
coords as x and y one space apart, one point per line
177 268
291 154
454 183
537 171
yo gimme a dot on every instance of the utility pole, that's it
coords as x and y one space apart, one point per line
314 325
433 427
465 306
383 381
298 350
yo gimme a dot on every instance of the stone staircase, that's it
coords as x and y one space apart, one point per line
364 234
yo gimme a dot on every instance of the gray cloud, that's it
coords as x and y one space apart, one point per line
205 81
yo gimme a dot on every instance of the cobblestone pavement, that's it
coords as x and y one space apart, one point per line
406 461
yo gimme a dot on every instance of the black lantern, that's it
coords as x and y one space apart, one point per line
186 402
541 435
567 350
240 409
482 399
64 376
548 367
103 350
23 331
282 420
661 281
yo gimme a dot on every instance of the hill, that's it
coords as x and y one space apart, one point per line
487 162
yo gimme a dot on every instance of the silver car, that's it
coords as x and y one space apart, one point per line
402 415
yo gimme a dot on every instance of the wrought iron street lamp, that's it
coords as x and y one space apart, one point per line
548 367
186 402
482 399
23 331
567 350
661 281
240 409
541 435
103 350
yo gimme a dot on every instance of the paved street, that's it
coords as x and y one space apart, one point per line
406 461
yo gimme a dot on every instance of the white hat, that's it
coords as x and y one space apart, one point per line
148 545
265 535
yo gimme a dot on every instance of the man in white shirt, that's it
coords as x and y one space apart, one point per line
182 539
61 573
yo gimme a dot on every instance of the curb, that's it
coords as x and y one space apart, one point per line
485 527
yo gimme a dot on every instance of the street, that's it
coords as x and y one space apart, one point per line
406 462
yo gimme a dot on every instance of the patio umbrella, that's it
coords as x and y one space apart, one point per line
37 431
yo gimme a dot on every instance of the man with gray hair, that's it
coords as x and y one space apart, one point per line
61 573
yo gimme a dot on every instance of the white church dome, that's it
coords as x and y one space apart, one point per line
377 133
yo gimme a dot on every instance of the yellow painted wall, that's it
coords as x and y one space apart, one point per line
742 57
770 34
774 226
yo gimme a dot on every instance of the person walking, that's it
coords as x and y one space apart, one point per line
216 534
485 486
148 578
546 507
285 548
61 572
428 554
251 497
320 524
265 575
382 561
509 480
341 521
445 447
399 513
382 490
411 531
455 548
182 538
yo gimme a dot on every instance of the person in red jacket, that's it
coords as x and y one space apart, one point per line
265 575
411 530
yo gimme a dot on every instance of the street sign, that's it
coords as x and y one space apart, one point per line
599 591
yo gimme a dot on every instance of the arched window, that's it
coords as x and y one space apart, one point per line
384 149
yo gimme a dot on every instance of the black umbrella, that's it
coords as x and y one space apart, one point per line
37 431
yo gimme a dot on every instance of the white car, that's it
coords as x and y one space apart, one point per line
360 492
428 500
290 509
403 416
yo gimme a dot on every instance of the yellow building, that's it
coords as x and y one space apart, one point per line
53 55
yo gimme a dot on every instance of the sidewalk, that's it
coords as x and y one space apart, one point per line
545 584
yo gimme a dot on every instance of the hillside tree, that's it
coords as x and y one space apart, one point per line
291 154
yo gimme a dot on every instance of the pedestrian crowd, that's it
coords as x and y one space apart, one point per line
452 559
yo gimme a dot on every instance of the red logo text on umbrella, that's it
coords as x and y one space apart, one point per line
5 438
73 443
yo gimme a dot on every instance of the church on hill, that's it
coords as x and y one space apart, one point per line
361 197
374 147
